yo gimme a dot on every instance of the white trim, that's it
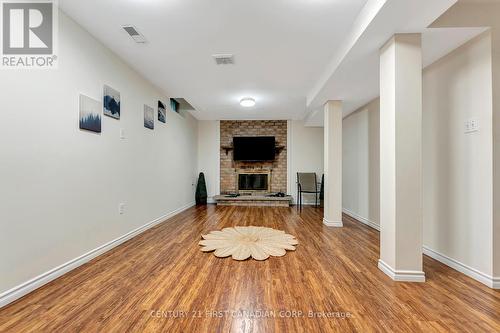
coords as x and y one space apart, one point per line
336 224
217 167
399 275
361 219
289 175
19 291
307 203
496 283
490 281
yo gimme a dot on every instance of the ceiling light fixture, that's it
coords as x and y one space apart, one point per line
247 102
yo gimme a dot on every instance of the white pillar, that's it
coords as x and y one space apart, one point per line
496 160
401 158
333 164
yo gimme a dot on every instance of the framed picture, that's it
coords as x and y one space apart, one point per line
111 102
149 117
174 105
90 114
162 112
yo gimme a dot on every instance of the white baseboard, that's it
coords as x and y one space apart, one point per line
336 224
399 275
490 281
19 291
361 219
312 203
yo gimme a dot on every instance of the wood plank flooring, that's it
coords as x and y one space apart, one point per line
144 284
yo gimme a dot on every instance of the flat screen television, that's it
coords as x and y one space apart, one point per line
254 148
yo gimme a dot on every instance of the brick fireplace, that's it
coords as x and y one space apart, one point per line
231 171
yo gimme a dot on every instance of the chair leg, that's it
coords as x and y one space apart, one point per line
298 197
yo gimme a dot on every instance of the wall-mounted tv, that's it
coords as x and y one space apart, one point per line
254 148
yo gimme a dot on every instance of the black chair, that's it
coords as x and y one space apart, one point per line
307 183
322 189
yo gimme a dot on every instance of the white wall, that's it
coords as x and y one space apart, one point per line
60 186
361 164
485 14
457 166
209 156
305 154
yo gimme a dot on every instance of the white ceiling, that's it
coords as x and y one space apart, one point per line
290 55
362 81
280 48
354 77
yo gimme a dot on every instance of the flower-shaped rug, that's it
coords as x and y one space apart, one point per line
244 242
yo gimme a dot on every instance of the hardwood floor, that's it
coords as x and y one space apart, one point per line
334 271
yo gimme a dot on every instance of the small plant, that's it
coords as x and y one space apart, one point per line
201 190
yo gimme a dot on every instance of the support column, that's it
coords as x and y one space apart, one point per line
495 283
401 158
333 164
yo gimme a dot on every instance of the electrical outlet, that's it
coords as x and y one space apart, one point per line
121 208
471 125
474 126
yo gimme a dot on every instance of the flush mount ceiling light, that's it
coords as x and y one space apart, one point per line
247 102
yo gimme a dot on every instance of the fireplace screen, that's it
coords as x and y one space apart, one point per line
253 182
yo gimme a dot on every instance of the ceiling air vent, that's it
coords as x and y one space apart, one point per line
224 59
136 35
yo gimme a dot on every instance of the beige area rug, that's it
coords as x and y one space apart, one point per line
244 242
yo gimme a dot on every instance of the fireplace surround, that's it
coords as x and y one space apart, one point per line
230 169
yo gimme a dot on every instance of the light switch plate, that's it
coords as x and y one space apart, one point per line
121 208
